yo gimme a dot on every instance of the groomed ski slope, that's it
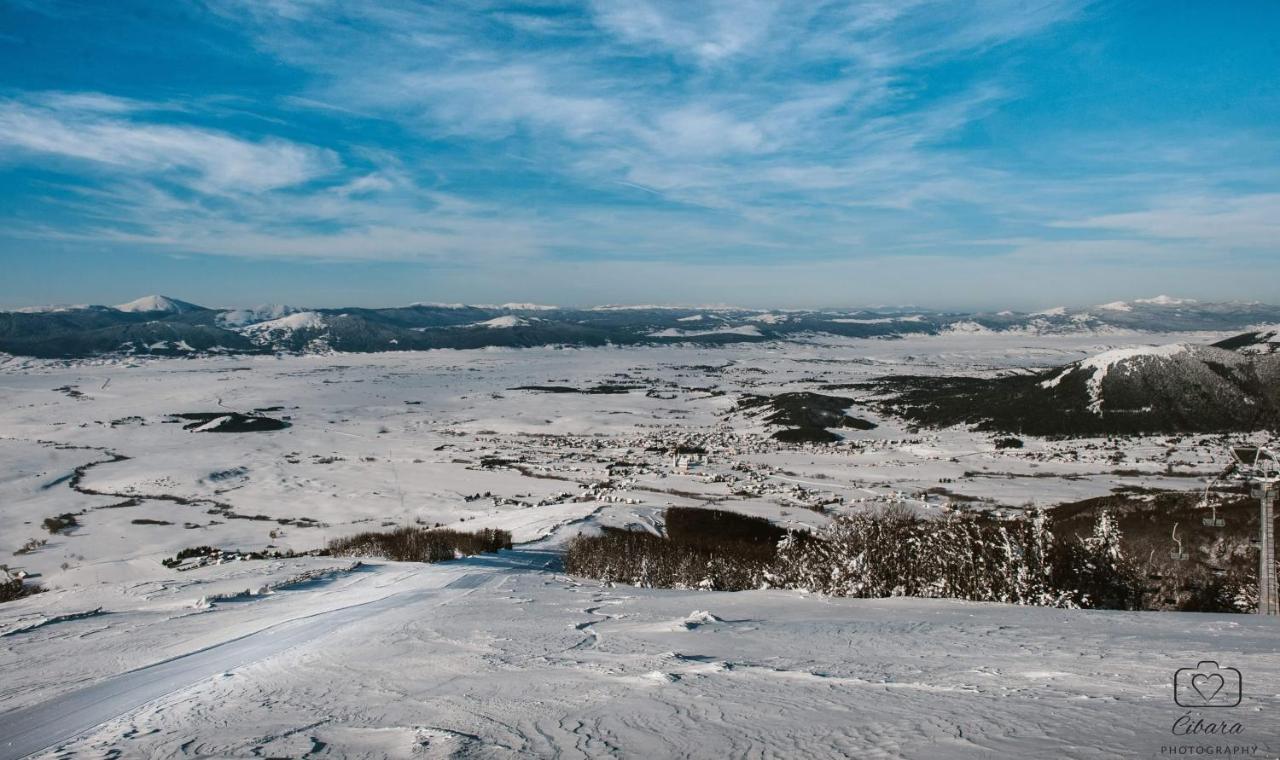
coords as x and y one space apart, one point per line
32 729
504 657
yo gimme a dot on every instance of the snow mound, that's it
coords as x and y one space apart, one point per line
1101 365
699 618
1056 311
157 303
1115 306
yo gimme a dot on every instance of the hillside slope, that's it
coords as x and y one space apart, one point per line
1155 389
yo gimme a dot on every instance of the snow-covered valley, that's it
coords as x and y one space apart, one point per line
505 655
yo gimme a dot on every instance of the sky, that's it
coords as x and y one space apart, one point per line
950 154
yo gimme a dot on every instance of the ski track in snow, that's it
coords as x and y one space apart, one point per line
32 729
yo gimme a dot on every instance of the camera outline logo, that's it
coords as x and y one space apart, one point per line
1208 684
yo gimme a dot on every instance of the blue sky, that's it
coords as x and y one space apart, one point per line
957 154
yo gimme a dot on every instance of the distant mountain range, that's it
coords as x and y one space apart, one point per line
164 326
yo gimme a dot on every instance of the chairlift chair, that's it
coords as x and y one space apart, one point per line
1214 521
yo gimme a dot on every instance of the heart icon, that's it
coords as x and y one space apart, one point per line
1207 686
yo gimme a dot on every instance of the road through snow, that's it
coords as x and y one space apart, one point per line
32 729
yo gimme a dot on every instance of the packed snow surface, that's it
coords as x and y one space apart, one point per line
503 657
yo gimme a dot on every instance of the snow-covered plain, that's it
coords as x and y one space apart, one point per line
504 656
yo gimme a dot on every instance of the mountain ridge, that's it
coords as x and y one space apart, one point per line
1171 388
139 326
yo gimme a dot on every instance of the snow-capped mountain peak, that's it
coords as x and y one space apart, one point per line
158 303
1163 300
297 321
254 314
1099 366
498 323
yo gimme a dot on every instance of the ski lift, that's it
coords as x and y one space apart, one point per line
1256 462
1214 521
1152 574
1177 555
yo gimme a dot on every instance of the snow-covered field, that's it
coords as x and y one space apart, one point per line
504 656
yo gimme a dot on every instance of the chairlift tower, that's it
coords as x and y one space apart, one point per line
1260 468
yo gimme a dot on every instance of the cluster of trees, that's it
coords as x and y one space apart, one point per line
961 556
887 553
703 548
14 587
1220 572
415 544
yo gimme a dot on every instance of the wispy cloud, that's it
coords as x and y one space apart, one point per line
706 33
1241 221
102 131
605 107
